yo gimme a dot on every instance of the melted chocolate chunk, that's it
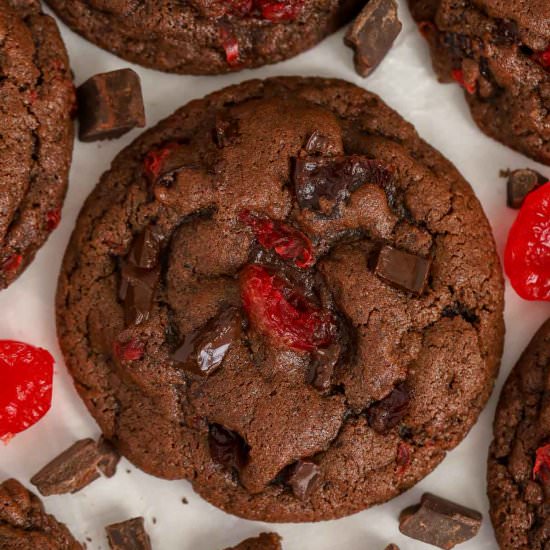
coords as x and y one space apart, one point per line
507 32
520 184
460 45
140 276
335 178
204 350
109 105
128 535
322 367
372 34
317 143
77 467
439 522
304 477
227 448
387 413
403 270
226 131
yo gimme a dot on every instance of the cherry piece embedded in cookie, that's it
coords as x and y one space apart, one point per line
289 243
527 254
156 158
283 10
13 263
544 58
458 76
387 413
53 217
282 313
227 448
128 351
541 470
204 350
231 47
26 389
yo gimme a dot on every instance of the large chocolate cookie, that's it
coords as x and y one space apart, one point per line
24 525
519 459
282 294
499 51
205 36
36 132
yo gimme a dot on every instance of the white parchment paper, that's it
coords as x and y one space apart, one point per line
406 82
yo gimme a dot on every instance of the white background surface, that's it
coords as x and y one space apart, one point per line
406 82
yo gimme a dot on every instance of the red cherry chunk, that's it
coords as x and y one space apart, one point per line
285 10
544 58
289 243
458 75
527 253
13 263
53 217
541 469
26 390
155 159
231 46
283 314
129 351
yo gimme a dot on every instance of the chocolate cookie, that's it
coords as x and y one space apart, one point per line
518 473
205 36
24 525
264 541
499 51
36 132
284 295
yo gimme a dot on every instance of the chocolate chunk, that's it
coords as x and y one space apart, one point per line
372 34
304 477
392 547
335 178
316 143
507 32
128 535
403 270
387 413
227 448
439 522
140 276
77 467
226 131
520 184
204 350
459 46
323 365
109 105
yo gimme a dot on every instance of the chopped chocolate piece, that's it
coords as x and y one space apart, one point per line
316 143
520 184
109 105
137 290
145 250
227 448
372 34
335 178
439 522
403 270
128 535
507 31
76 467
204 350
387 413
225 131
304 478
323 365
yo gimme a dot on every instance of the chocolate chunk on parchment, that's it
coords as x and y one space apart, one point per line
335 178
109 105
372 34
520 184
203 350
439 522
128 535
77 467
387 413
403 270
304 477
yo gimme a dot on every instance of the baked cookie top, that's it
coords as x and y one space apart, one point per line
518 473
205 36
36 132
499 51
24 524
282 294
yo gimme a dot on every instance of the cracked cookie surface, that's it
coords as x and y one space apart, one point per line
519 458
499 51
205 36
36 132
234 311
24 525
